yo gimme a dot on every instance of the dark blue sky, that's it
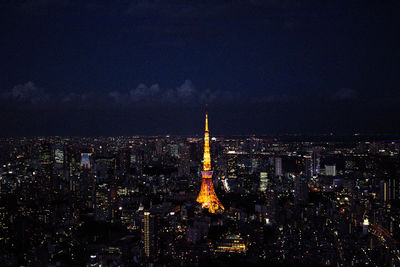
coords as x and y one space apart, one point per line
148 67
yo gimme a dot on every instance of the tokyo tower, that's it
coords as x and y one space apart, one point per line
207 196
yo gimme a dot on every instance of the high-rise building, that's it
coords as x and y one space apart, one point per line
393 189
46 154
184 163
254 165
384 192
316 162
85 160
278 167
365 226
148 234
174 150
330 170
46 159
207 196
59 155
270 202
308 167
232 164
231 244
300 190
263 181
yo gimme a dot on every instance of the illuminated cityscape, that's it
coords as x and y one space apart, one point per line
134 201
199 133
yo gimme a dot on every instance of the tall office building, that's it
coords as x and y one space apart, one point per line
388 190
365 226
330 170
46 160
174 150
85 160
232 164
278 167
59 156
300 191
393 189
384 191
184 163
254 165
207 196
316 162
263 181
308 167
148 234
59 171
45 151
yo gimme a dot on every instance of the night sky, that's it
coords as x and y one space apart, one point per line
91 68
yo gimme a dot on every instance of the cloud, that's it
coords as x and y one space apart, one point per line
142 92
186 89
117 97
344 94
185 93
141 96
26 93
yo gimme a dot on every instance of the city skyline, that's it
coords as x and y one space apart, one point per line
157 133
134 201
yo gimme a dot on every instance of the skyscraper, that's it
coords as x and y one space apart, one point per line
384 192
330 170
148 234
59 156
316 162
278 167
263 181
207 196
232 165
308 167
300 191
85 160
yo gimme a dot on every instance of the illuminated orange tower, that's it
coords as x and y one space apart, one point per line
207 196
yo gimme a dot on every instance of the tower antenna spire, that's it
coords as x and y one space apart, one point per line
206 128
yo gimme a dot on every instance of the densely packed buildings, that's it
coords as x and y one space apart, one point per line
123 201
